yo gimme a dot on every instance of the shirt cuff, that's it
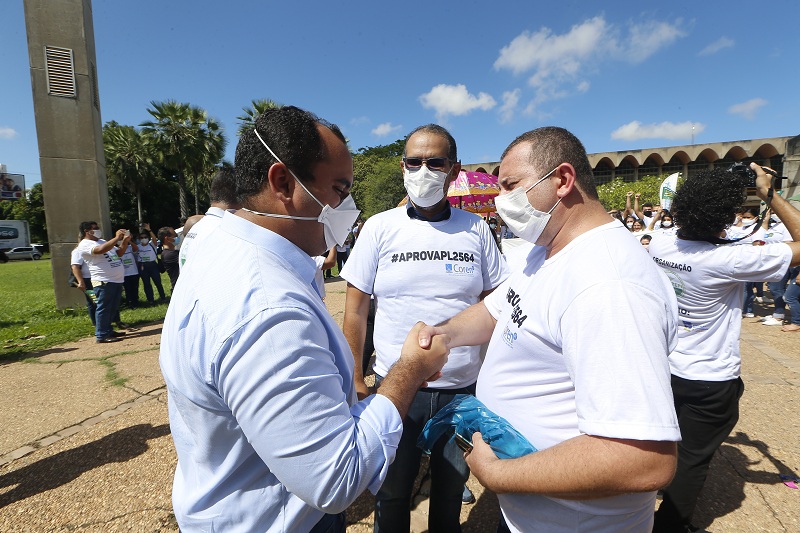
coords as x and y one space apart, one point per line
379 414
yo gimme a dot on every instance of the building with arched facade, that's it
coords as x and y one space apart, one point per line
779 153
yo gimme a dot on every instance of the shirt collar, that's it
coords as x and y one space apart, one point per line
295 259
412 212
215 212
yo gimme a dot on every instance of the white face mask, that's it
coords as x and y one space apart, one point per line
336 221
748 222
629 225
144 242
97 233
516 210
666 224
425 187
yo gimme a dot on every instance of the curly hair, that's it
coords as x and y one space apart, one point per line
706 203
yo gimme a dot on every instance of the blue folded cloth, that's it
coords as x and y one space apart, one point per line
466 415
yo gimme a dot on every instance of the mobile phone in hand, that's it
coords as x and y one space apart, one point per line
463 443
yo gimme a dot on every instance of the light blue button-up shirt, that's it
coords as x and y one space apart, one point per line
262 404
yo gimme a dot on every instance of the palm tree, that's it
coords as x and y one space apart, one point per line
247 121
187 140
129 160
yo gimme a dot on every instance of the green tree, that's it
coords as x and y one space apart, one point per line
247 121
612 194
31 208
182 136
130 161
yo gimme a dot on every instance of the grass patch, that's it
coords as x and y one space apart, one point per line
30 321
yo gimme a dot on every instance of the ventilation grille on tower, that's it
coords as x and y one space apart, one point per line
60 72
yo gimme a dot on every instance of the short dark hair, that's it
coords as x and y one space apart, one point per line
551 146
706 203
163 232
435 129
223 187
292 134
647 204
86 226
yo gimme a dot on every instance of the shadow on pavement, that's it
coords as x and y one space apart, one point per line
64 467
724 491
15 357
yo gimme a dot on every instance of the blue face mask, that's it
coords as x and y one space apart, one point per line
177 240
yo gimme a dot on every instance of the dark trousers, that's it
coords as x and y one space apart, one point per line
132 290
778 288
331 523
707 413
341 257
150 272
449 471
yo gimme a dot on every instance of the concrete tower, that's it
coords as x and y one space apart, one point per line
66 101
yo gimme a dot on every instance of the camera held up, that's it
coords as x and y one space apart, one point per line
743 171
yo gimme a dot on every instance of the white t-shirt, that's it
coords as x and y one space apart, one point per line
106 267
77 259
319 277
569 357
198 232
708 282
147 253
129 261
427 271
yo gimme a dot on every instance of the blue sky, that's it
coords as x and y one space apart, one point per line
627 75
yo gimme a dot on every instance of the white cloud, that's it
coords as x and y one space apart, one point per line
747 109
557 61
359 121
7 133
382 130
510 102
455 100
716 46
648 38
635 130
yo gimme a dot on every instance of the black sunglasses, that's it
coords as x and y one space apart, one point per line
434 163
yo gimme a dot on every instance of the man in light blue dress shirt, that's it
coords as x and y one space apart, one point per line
263 410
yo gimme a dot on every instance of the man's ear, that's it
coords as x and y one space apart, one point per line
566 174
281 182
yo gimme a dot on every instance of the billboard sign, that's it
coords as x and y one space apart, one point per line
12 186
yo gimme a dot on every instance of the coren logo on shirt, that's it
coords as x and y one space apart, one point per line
509 337
459 270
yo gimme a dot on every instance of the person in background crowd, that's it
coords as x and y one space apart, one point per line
422 261
107 274
708 274
148 262
83 278
342 252
324 263
644 240
792 299
170 254
629 221
223 198
130 261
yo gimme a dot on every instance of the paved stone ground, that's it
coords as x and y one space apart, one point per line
81 453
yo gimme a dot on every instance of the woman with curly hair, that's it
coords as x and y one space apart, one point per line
708 275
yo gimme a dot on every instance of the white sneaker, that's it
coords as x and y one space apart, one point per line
748 315
772 321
